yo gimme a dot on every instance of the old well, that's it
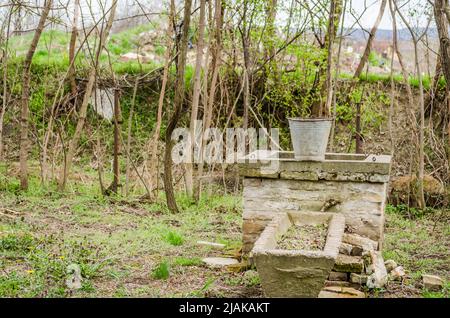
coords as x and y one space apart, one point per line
353 185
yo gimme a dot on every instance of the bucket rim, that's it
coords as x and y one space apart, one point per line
310 119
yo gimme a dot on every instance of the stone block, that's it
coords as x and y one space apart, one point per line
253 226
356 251
348 264
219 261
214 245
397 273
341 292
390 265
358 240
379 276
338 276
345 249
336 283
360 279
432 282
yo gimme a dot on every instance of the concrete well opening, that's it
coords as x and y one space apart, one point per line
294 272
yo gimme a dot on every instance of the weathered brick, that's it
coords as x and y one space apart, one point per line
360 279
360 241
432 282
253 227
338 276
348 264
341 292
345 248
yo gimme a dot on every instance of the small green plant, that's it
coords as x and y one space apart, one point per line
409 212
174 238
251 278
373 59
16 243
202 292
161 271
444 293
184 261
159 50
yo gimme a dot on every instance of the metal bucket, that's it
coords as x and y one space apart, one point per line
310 137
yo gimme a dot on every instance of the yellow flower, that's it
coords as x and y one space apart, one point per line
30 271
61 257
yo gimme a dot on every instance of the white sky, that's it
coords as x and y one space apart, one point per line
373 6
129 7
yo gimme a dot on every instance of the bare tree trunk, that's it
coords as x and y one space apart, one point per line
154 166
245 37
372 34
358 136
392 97
117 131
410 107
5 97
189 180
336 78
128 149
270 37
207 116
246 80
73 39
416 39
442 27
421 129
429 100
335 12
402 66
442 10
73 144
178 105
319 108
25 99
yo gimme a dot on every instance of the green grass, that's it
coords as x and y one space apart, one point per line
161 271
445 293
174 238
52 53
386 78
248 279
37 266
185 261
418 243
112 239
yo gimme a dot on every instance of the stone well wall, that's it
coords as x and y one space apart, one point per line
354 185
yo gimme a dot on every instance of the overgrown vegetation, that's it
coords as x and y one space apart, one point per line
122 249
81 189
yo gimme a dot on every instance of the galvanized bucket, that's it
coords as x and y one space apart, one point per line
310 137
